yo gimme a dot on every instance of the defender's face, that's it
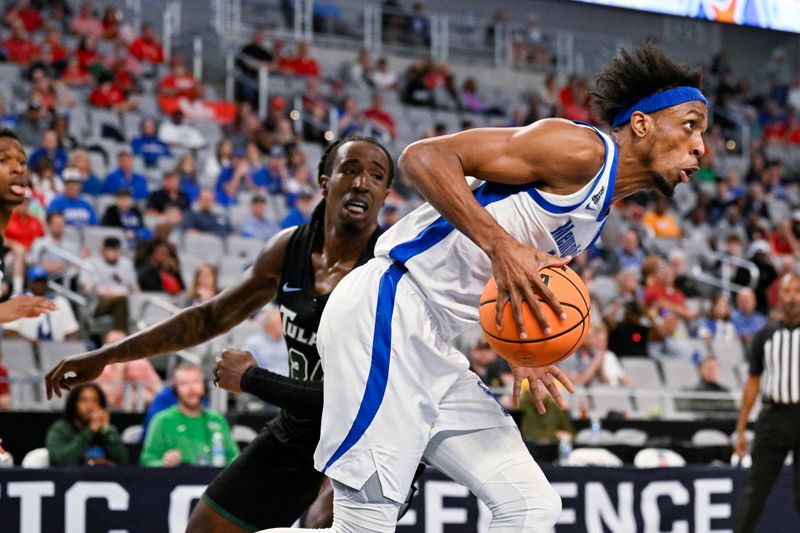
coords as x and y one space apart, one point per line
677 145
358 185
13 172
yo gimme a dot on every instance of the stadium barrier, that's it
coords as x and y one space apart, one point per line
595 500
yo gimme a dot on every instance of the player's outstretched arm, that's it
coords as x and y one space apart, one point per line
24 306
555 154
192 326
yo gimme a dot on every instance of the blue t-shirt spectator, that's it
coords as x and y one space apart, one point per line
295 217
77 211
117 180
190 186
222 197
263 178
748 326
150 149
58 157
8 121
93 186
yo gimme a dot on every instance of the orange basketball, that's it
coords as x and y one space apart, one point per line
537 349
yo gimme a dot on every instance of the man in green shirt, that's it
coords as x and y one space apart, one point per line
85 435
188 433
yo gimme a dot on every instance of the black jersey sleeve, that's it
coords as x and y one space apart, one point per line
299 396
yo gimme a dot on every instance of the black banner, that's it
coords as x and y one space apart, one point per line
595 500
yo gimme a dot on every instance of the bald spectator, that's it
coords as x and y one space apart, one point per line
267 346
205 219
745 318
138 377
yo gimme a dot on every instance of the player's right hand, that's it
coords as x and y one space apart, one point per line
230 368
86 367
516 267
25 306
740 446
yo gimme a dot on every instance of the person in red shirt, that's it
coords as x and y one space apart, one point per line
73 75
176 85
664 294
380 116
23 228
53 42
108 95
147 48
29 16
86 23
19 47
87 53
302 64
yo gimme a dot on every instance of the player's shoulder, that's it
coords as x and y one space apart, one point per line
572 149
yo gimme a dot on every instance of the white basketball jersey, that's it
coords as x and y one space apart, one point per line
450 270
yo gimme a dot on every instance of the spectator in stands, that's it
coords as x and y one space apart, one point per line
22 231
107 94
684 282
54 48
300 213
178 84
80 161
389 216
66 140
49 250
745 317
252 57
492 370
77 211
177 133
629 337
670 336
383 78
113 26
358 73
52 150
22 11
5 393
662 294
169 197
31 125
256 225
204 285
124 177
302 64
7 120
148 146
528 45
611 372
661 221
124 214
716 326
19 48
214 163
88 57
630 254
146 47
85 434
274 177
418 29
709 372
381 118
206 437
552 426
187 171
86 23
472 101
137 376
585 366
204 219
57 326
268 347
161 272
231 179
73 75
112 280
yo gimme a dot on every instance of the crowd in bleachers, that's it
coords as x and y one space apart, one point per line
142 179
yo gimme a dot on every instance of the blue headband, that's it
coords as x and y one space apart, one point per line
658 101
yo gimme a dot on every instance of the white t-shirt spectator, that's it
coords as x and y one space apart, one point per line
52 326
116 279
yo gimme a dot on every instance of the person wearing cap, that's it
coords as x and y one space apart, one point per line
257 225
125 215
125 178
77 211
57 325
22 230
111 281
301 212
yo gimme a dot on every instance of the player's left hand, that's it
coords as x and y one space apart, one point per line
230 368
547 376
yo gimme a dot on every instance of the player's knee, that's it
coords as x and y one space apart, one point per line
551 509
526 506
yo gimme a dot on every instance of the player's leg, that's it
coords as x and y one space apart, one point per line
270 484
357 511
769 453
495 465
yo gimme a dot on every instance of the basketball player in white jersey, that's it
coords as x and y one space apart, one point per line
396 392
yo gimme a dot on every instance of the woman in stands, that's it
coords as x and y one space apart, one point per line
273 481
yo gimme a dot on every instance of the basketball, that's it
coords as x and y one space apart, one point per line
539 350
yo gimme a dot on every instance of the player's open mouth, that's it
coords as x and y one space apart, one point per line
356 207
686 173
17 189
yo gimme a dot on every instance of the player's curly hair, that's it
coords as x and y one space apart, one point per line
6 133
326 161
633 75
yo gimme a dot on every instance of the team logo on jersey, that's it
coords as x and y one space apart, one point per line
293 331
595 199
564 238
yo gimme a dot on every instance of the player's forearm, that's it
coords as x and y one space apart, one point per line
439 177
749 395
285 392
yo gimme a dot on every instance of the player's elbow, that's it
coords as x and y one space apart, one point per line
414 157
